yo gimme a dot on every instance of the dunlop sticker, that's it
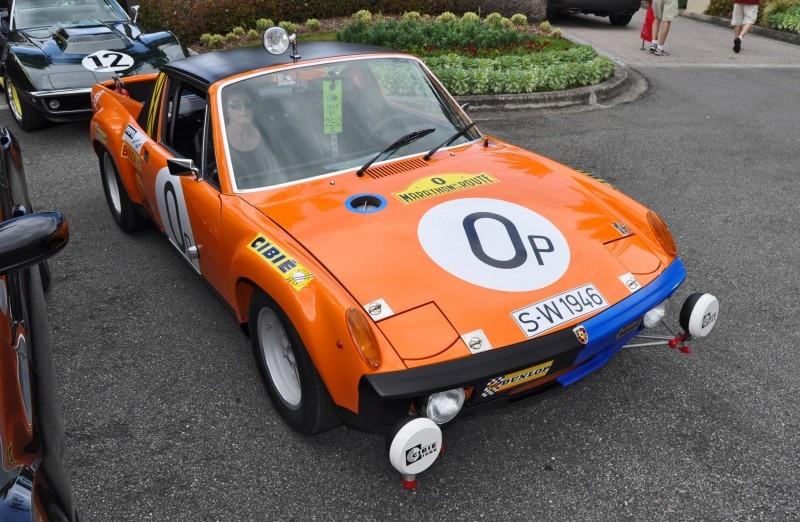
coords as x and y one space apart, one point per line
292 271
504 382
441 184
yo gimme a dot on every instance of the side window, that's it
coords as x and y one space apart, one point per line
186 115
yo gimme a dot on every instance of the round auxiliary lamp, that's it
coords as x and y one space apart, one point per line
276 40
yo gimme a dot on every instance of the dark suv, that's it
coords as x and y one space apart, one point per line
619 12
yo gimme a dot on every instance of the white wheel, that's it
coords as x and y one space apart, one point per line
109 173
279 356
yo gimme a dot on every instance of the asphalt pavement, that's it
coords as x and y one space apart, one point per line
167 419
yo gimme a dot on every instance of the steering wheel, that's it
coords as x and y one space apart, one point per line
383 126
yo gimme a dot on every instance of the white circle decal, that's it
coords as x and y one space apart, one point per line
107 61
494 244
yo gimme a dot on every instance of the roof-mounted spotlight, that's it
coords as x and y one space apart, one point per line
276 41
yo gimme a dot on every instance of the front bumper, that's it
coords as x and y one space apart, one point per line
384 398
73 104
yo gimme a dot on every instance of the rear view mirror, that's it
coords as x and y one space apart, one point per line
28 240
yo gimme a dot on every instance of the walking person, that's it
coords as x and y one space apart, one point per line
663 11
744 16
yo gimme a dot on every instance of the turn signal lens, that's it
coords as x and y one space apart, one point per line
363 337
662 233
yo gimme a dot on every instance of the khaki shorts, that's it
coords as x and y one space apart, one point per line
744 14
665 10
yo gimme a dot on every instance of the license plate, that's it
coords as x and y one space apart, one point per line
554 311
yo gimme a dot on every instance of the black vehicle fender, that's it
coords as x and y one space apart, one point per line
166 43
25 67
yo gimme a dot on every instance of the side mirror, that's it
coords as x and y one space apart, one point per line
135 11
28 240
182 167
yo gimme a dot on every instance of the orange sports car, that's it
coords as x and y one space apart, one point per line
392 265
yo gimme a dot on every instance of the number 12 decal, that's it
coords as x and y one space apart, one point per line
494 244
107 61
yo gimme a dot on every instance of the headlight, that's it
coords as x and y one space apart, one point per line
655 315
444 406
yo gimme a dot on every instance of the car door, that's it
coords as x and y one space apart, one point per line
186 206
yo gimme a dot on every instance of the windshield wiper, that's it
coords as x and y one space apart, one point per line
450 140
402 142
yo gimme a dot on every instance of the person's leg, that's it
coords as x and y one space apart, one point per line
654 43
662 35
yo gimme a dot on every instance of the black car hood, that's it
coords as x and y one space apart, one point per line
53 57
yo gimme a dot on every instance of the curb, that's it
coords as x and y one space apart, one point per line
756 29
622 81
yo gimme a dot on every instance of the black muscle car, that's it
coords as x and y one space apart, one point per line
53 51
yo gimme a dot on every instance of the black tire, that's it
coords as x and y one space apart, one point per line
619 19
44 272
124 211
303 403
26 115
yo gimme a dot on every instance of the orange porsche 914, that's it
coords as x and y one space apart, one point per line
393 266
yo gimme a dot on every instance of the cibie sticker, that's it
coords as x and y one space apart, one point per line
476 341
494 244
378 309
107 61
292 271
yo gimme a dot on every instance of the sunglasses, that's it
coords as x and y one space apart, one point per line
238 105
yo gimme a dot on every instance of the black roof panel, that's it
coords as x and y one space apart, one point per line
206 69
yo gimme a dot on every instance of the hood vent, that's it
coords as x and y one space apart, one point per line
81 41
390 169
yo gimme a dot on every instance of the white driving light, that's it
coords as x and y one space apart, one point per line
443 406
276 40
414 443
699 314
655 315
54 104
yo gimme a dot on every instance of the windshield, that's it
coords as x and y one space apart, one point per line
314 120
44 13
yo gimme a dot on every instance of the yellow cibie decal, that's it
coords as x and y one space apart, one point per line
130 154
292 271
504 382
441 184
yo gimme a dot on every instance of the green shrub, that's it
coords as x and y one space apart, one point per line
447 18
262 24
411 15
238 30
362 16
505 23
557 33
289 27
205 38
723 8
774 7
313 24
216 41
788 21
470 18
493 20
519 20
252 34
545 26
188 19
